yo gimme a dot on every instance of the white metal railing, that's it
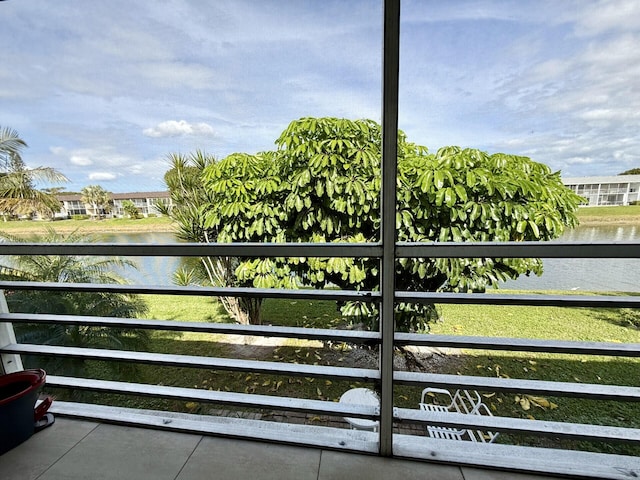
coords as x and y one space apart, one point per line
366 441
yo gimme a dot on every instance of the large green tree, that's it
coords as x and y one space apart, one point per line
322 184
633 171
18 194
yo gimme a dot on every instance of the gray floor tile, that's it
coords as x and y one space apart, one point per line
30 459
338 465
118 453
228 458
479 474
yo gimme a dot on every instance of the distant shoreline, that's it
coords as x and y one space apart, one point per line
604 221
588 217
142 225
600 216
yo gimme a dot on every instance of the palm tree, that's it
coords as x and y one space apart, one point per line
189 196
130 209
98 198
18 195
71 269
10 146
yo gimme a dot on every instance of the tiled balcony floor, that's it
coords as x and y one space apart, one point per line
75 449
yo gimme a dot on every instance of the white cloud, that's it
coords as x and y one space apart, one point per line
81 160
102 176
176 128
57 150
167 75
553 80
103 155
579 161
608 15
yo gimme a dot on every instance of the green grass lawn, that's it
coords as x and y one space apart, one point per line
588 215
617 211
588 324
151 224
621 215
322 314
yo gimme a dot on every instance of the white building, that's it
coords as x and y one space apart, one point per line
618 190
144 201
72 204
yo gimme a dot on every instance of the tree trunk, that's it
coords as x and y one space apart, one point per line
245 311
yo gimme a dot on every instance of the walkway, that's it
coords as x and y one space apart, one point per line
75 449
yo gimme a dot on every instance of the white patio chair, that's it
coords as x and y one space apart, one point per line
462 401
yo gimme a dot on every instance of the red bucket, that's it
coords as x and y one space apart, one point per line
18 415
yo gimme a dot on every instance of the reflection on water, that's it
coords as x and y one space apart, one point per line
150 270
609 274
559 274
611 233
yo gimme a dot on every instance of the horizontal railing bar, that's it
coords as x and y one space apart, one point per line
244 400
189 361
196 249
495 384
454 420
518 250
582 390
543 462
349 336
574 431
335 438
611 301
372 250
249 292
518 344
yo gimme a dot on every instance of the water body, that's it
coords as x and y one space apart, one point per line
150 270
559 273
608 274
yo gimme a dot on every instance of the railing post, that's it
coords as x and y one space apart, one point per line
390 67
9 362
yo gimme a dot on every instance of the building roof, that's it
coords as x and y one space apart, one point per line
611 179
70 197
126 196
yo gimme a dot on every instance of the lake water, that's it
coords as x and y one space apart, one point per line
608 274
150 270
559 274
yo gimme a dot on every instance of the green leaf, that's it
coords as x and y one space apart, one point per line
461 192
449 197
471 179
426 181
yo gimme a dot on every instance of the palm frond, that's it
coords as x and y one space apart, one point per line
10 146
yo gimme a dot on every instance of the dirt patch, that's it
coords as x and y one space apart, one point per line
413 359
410 359
255 348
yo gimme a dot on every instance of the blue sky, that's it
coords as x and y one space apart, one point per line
104 91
